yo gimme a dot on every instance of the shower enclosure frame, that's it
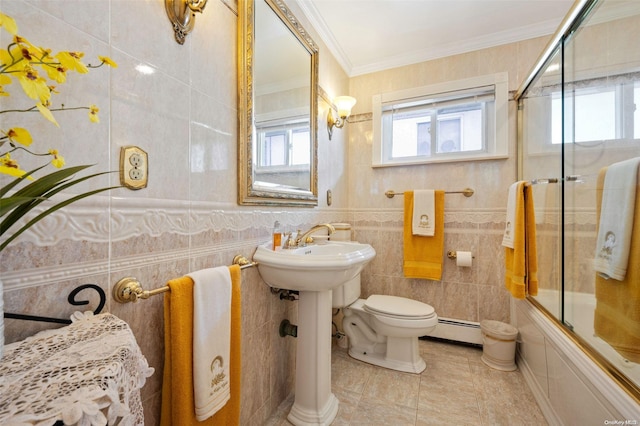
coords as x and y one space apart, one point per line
565 227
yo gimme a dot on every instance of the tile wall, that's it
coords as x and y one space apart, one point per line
175 101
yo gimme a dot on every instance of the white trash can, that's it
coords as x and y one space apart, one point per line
498 345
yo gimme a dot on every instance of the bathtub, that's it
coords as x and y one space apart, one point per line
570 387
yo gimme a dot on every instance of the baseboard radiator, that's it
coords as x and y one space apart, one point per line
458 331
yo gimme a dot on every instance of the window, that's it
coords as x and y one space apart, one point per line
596 113
454 121
283 146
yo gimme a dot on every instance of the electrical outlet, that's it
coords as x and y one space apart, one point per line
133 167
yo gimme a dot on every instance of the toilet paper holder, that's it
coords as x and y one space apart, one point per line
454 255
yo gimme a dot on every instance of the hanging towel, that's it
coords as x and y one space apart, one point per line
423 221
178 405
547 198
211 337
521 260
616 219
507 238
617 313
423 255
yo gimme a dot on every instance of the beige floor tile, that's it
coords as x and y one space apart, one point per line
376 412
455 388
393 387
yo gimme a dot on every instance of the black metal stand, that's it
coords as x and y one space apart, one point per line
72 300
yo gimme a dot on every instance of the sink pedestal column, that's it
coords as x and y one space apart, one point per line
314 403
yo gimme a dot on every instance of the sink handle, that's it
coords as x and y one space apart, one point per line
289 242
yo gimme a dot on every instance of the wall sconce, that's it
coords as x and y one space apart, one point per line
182 16
343 105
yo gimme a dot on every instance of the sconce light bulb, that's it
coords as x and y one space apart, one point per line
344 105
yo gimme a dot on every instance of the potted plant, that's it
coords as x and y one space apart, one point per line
38 71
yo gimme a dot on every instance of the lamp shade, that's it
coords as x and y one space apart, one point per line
344 105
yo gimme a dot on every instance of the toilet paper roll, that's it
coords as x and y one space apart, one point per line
464 258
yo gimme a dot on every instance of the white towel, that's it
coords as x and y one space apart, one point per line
616 219
507 238
424 218
211 337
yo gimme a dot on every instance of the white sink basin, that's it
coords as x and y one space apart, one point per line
316 267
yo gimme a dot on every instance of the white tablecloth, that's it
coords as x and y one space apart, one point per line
87 373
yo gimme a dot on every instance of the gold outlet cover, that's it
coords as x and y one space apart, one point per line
133 167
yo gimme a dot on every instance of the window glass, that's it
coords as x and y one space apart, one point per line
593 111
447 122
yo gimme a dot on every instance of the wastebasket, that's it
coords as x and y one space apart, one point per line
498 345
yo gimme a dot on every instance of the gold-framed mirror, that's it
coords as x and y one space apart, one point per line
277 107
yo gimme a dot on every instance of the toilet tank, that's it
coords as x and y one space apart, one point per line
346 294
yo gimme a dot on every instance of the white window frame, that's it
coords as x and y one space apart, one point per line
496 147
542 140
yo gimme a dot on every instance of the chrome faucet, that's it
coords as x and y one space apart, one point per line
302 240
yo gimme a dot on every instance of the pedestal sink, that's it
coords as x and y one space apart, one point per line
313 271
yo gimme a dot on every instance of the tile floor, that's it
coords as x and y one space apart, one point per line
456 388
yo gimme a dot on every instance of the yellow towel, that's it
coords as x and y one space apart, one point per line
521 261
178 406
423 255
617 315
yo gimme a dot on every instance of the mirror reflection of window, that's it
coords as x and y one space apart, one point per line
284 145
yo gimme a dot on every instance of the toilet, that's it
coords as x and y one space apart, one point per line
384 330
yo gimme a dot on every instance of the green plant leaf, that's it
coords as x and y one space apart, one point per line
53 209
39 193
8 187
43 184
9 203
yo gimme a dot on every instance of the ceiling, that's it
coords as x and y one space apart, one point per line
372 35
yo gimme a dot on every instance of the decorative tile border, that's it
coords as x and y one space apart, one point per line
106 220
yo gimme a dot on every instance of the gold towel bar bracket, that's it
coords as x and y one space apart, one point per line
467 192
129 289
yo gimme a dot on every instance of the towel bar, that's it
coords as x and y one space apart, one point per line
129 289
467 192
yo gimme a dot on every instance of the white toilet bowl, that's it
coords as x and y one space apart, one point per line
384 330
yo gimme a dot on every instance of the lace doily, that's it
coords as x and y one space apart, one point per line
88 373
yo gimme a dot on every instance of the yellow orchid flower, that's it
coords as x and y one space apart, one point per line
13 58
57 73
72 61
8 23
93 114
5 58
58 160
9 166
46 113
27 50
33 85
4 80
108 61
20 135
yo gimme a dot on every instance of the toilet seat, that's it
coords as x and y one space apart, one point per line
398 307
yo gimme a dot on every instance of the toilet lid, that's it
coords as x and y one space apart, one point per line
399 307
